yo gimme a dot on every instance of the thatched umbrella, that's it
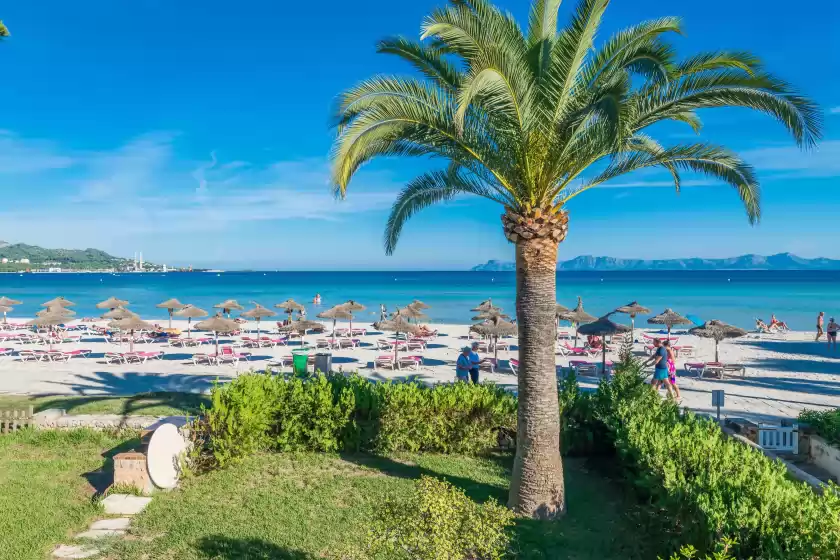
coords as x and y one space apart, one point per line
228 305
217 324
335 313
119 313
717 330
603 327
301 326
131 324
50 321
417 304
62 311
484 305
5 309
290 306
409 312
171 305
352 306
59 301
577 317
669 317
397 324
491 314
190 312
258 313
8 303
495 327
111 303
633 308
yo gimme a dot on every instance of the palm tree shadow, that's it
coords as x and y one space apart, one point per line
219 547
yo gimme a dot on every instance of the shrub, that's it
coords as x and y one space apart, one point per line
439 522
825 422
710 485
688 552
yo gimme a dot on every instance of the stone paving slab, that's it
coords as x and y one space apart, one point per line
116 524
96 534
67 551
123 504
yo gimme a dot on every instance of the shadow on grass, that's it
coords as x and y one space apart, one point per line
187 403
219 547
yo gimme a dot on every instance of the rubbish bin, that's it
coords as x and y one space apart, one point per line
299 359
323 362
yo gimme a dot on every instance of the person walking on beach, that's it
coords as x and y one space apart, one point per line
660 366
672 368
463 365
475 360
820 319
383 313
831 331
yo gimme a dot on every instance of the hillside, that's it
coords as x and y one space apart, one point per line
73 259
781 261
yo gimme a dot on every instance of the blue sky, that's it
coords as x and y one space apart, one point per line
198 133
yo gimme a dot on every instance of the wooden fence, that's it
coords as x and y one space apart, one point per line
11 420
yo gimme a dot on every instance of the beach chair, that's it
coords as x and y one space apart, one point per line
383 344
80 353
684 351
280 362
416 344
200 358
32 355
409 362
348 342
115 357
386 360
582 368
514 366
488 364
500 345
324 343
565 335
580 350
735 369
6 352
150 355
230 356
358 332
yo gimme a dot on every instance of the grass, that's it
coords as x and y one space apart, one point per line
151 404
48 481
308 506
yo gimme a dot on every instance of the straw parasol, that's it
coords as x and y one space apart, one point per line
190 312
397 324
290 306
489 315
717 330
604 327
257 313
119 313
59 301
301 326
8 303
484 305
111 303
131 323
227 305
417 304
49 320
217 324
577 317
352 306
409 312
171 305
669 317
495 327
62 311
5 309
335 313
633 308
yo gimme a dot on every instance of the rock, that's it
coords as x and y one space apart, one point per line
99 534
123 504
67 551
116 524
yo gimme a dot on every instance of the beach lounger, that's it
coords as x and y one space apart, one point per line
228 355
684 351
348 342
703 368
6 352
514 366
115 357
409 362
200 358
325 343
489 364
416 344
31 355
735 369
565 335
151 355
501 345
358 332
384 361
580 350
80 353
280 362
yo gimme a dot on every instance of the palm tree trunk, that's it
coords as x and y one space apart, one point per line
537 488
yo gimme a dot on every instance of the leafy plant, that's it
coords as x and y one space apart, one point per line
439 522
825 422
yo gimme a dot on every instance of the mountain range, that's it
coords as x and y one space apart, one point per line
781 261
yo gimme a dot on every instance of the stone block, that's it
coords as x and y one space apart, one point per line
67 551
95 534
115 524
123 504
130 469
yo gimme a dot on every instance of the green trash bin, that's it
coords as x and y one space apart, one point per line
299 359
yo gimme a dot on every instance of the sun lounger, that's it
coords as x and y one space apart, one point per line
358 332
6 351
115 357
384 361
703 368
280 362
565 335
326 343
734 369
200 358
416 344
79 353
514 366
500 345
31 355
684 351
348 342
489 364
409 362
151 355
228 355
580 351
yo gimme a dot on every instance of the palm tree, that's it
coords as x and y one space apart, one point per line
532 119
4 31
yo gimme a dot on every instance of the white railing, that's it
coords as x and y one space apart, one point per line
779 438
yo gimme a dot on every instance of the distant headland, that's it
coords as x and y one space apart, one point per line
781 261
20 257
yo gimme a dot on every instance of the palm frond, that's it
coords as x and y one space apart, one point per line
428 60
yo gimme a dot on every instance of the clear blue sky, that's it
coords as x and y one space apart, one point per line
197 132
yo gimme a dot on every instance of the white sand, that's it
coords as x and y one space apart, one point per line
785 373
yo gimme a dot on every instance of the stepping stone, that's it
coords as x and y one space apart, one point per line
100 534
123 504
116 524
66 551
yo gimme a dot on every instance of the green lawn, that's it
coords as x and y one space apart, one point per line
308 506
151 404
47 484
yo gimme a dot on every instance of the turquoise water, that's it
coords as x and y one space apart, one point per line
733 296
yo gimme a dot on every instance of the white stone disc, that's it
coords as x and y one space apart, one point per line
165 450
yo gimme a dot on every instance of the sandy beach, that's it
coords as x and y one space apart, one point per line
784 373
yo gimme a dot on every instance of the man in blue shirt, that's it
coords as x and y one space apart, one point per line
474 361
463 365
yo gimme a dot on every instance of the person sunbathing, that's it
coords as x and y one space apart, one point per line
781 325
593 341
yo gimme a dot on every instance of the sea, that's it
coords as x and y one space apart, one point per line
737 297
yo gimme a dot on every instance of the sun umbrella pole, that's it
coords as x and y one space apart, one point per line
717 359
189 327
603 358
217 344
170 319
632 327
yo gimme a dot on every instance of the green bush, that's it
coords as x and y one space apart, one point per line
710 485
257 412
439 522
825 422
723 552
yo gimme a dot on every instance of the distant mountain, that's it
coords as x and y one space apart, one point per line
782 261
20 256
